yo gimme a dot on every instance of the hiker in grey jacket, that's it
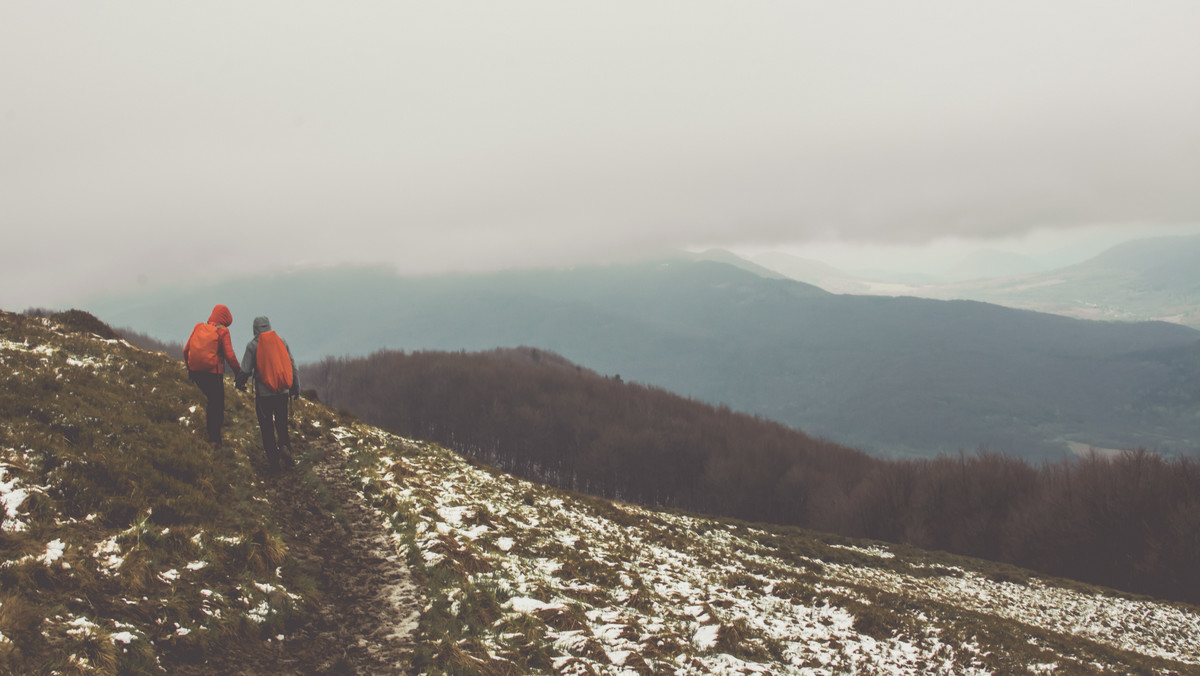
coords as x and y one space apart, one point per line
275 379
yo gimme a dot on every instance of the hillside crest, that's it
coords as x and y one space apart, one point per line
128 548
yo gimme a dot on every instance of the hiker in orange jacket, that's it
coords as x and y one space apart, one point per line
205 350
269 361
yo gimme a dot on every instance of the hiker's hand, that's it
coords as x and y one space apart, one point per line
295 392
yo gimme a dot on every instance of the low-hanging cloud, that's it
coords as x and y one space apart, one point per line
156 141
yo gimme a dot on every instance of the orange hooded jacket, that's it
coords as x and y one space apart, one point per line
221 318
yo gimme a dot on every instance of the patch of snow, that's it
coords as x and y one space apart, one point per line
527 605
84 361
259 613
82 626
54 552
455 515
107 553
122 637
9 345
618 657
869 551
12 498
705 637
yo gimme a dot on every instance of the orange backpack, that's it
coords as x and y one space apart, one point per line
273 363
203 348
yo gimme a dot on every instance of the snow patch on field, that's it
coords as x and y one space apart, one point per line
608 586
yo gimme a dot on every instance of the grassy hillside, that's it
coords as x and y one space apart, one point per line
129 546
523 579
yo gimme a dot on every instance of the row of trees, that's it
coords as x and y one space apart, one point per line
1132 522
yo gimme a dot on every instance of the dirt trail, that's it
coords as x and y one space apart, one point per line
369 604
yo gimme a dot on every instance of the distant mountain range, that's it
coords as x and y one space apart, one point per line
892 376
1142 280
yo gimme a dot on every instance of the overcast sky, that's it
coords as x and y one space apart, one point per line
153 141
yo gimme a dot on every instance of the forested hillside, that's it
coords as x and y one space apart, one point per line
1132 522
895 377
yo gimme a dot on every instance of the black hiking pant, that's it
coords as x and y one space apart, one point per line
213 387
273 421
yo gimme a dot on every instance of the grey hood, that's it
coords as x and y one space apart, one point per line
250 361
261 325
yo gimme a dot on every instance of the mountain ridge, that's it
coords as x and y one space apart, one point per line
892 376
1152 279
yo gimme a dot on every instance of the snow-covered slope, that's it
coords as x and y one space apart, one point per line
128 546
572 584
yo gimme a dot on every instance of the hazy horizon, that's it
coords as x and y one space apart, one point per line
881 262
144 144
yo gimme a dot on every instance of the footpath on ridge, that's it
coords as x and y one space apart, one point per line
368 604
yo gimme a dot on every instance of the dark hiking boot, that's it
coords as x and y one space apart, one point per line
285 457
